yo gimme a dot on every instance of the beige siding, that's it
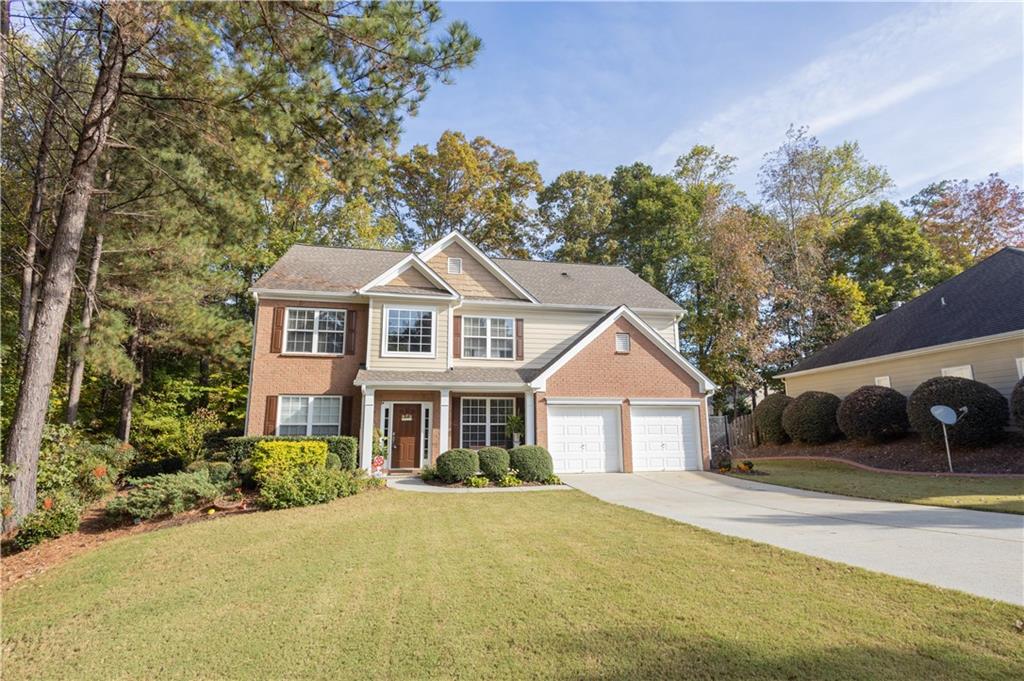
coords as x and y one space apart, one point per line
411 277
993 363
438 361
546 332
475 281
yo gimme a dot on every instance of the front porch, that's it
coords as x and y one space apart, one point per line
417 424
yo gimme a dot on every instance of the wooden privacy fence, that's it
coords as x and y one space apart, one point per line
741 431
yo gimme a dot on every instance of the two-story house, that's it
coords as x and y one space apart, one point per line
437 349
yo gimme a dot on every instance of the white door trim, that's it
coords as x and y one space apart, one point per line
424 445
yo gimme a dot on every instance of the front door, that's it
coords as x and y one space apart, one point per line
405 450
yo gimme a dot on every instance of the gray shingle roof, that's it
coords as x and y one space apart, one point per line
443 378
321 268
985 300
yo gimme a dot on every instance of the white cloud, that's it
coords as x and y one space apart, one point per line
916 51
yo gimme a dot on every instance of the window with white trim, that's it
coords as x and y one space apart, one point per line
308 415
408 331
622 343
454 265
483 421
1020 367
883 381
315 331
488 337
964 371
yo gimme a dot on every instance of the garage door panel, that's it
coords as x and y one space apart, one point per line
665 438
584 439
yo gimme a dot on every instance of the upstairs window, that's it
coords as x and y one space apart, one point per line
488 337
454 265
408 331
622 343
308 415
315 331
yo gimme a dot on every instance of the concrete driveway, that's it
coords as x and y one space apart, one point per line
973 551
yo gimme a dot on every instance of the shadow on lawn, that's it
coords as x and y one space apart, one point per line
655 655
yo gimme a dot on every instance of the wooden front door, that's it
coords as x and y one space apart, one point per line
405 450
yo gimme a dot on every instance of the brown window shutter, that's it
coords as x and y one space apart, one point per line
521 406
277 332
270 416
351 323
456 418
457 336
346 415
519 340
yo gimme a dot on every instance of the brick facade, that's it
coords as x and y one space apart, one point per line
278 373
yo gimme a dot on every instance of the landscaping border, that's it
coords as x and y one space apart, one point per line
414 484
835 459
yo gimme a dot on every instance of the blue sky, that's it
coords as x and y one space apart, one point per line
931 91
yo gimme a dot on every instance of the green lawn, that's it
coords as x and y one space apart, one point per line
1005 495
540 585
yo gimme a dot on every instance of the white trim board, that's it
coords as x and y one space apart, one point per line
706 384
457 237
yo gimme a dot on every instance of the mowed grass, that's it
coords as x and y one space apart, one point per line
1005 495
398 585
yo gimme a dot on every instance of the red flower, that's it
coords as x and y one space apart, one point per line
100 471
47 503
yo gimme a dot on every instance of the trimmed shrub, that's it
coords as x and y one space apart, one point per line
873 413
986 417
333 461
456 465
276 456
56 516
166 494
811 418
1017 403
768 419
531 462
345 446
305 486
220 472
493 462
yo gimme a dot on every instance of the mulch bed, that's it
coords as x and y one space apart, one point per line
95 529
437 483
907 454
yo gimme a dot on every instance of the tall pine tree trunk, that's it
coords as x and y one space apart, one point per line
41 360
78 371
124 424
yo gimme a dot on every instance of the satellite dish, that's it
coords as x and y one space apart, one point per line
944 414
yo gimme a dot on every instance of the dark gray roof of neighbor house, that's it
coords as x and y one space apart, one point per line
560 283
442 378
985 300
322 268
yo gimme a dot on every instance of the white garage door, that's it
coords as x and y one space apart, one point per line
584 439
665 438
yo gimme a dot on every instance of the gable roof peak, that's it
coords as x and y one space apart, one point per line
455 236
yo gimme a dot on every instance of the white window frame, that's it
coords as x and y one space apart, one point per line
1020 367
883 381
316 331
487 419
454 265
309 414
387 426
386 309
488 338
957 370
629 343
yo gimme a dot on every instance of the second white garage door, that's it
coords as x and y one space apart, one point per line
665 438
584 439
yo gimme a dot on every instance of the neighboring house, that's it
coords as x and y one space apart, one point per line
437 349
971 325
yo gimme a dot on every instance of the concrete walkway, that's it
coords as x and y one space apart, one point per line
974 551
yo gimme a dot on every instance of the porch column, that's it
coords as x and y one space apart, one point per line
531 430
445 421
366 431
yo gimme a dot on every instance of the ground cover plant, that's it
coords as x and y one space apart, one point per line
398 585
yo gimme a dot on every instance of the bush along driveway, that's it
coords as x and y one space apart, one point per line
1004 495
546 585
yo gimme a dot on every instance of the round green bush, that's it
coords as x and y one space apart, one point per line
219 471
456 465
333 461
532 463
1017 403
985 420
768 419
873 413
811 418
493 462
59 519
